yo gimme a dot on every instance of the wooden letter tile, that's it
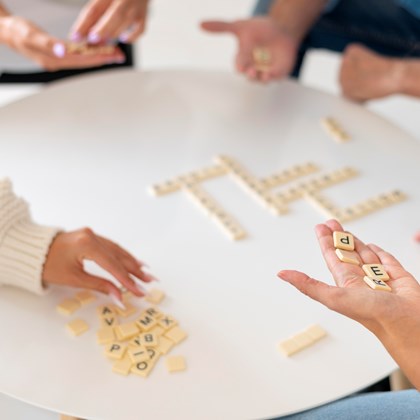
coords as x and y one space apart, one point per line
376 284
176 335
105 335
175 363
77 327
375 271
115 350
343 240
68 307
350 257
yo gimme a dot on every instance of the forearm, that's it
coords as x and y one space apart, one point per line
296 17
402 341
409 74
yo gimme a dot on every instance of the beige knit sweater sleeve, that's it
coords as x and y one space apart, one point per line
24 245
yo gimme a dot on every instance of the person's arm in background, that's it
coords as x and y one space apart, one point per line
366 75
49 52
34 256
280 33
394 317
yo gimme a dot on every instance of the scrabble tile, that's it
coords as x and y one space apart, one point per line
153 354
350 257
109 321
77 327
158 330
142 368
316 332
126 331
153 312
288 347
375 271
128 311
138 354
105 335
149 339
175 363
155 296
135 342
343 240
126 296
165 345
146 322
167 322
302 339
376 284
68 307
106 311
122 366
85 297
115 350
176 335
322 204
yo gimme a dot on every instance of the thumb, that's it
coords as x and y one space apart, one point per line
218 26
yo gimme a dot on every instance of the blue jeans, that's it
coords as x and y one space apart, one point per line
380 25
397 405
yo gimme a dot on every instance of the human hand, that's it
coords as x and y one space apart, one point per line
103 20
64 264
381 312
259 33
49 52
365 75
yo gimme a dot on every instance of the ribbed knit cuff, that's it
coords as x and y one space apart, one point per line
23 253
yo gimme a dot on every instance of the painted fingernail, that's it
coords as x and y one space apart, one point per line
94 38
124 37
149 277
117 301
75 37
139 286
142 264
59 50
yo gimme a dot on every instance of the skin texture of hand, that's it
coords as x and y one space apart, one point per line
64 264
103 20
394 317
365 75
46 50
256 33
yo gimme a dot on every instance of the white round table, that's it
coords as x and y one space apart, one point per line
83 152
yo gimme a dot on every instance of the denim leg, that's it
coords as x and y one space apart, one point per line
400 405
262 7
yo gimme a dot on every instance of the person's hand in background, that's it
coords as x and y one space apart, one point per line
49 52
104 20
68 251
261 32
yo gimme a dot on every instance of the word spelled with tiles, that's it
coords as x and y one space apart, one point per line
376 276
334 130
302 340
261 189
135 345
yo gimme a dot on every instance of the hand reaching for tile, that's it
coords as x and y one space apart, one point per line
394 317
64 264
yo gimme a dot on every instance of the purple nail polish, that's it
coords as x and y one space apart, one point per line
123 37
59 50
75 37
94 38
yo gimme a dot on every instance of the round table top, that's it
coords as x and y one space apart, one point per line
83 152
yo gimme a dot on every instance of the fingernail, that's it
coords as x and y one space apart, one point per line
117 301
150 277
76 37
142 264
123 37
94 38
139 285
59 50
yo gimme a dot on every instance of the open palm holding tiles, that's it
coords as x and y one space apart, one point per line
352 297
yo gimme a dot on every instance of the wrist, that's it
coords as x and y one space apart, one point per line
5 23
408 73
